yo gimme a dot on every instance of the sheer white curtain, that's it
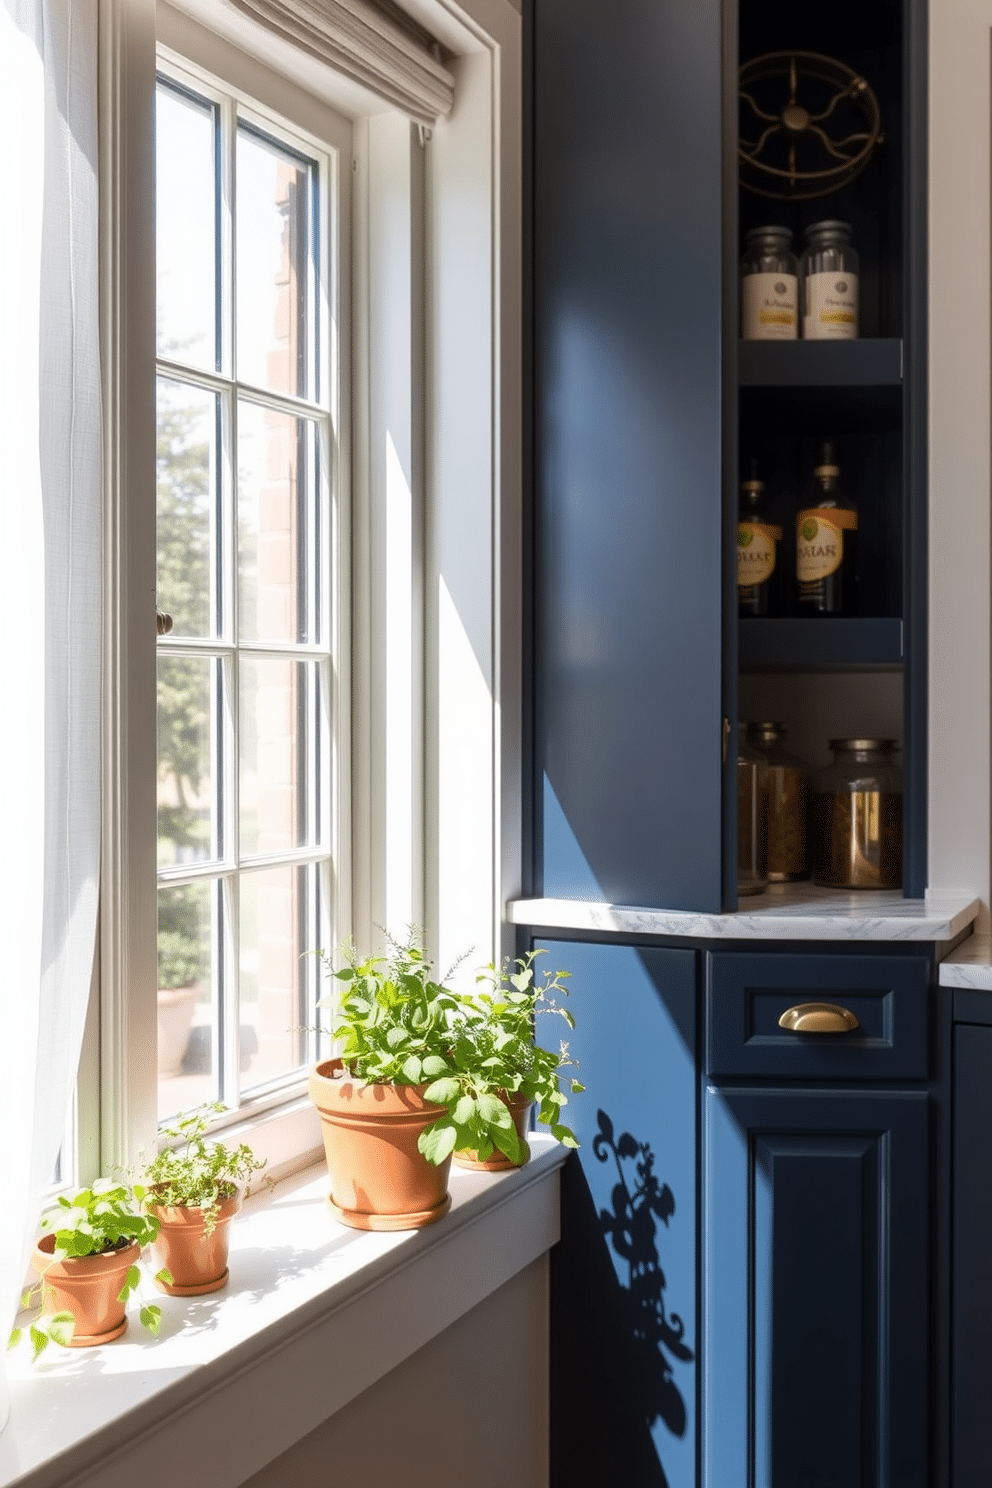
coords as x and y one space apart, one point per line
50 591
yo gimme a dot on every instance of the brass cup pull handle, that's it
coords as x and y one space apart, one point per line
818 1017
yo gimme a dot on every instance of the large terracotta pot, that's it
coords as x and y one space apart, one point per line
379 1180
197 1261
176 1006
499 1162
88 1287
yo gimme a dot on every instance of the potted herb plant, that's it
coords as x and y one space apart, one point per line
192 1189
396 1024
87 1265
500 1033
423 1071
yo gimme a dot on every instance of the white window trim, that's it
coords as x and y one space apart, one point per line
459 864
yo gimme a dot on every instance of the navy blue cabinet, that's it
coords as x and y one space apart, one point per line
816 1261
625 1287
631 533
645 411
744 1293
816 1214
971 1409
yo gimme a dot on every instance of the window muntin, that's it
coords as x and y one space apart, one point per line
245 452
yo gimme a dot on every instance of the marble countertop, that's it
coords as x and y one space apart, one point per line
783 912
969 965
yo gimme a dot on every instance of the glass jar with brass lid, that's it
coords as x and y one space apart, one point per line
857 816
788 804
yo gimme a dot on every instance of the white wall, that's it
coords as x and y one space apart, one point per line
960 395
470 1408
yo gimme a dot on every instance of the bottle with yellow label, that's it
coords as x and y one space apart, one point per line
826 544
758 569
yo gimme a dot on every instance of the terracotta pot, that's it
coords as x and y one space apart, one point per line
197 1261
176 1006
499 1162
379 1180
86 1286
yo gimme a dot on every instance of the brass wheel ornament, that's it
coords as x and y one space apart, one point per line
818 125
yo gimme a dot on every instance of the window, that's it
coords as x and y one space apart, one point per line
248 444
319 753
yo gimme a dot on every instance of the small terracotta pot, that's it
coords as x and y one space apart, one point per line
88 1287
379 1179
519 1107
197 1261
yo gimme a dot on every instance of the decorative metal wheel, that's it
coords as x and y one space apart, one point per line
817 122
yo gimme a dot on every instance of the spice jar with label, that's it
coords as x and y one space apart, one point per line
828 273
752 817
857 816
758 570
787 855
826 543
769 286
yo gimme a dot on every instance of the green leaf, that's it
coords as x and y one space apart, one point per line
434 1065
464 1111
564 1136
442 1092
493 1111
151 1317
412 1068
61 1327
164 1276
16 1334
39 1342
437 1143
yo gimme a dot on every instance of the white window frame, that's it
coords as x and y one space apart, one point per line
435 830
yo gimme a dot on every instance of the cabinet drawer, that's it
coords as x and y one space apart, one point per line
747 993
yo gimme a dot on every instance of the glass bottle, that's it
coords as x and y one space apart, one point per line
752 813
827 543
857 816
828 272
788 804
769 286
759 573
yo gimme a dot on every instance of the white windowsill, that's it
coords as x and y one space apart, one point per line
313 1315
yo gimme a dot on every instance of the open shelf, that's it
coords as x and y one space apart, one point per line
821 364
811 645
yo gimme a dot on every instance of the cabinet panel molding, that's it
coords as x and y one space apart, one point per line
816 1283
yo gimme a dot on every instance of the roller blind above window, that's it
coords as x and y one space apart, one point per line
369 43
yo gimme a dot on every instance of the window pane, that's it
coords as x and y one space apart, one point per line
277 699
274 973
274 310
187 976
276 507
186 507
186 228
187 806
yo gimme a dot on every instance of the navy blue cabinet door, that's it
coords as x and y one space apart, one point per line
971 1409
816 1308
624 1274
631 535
